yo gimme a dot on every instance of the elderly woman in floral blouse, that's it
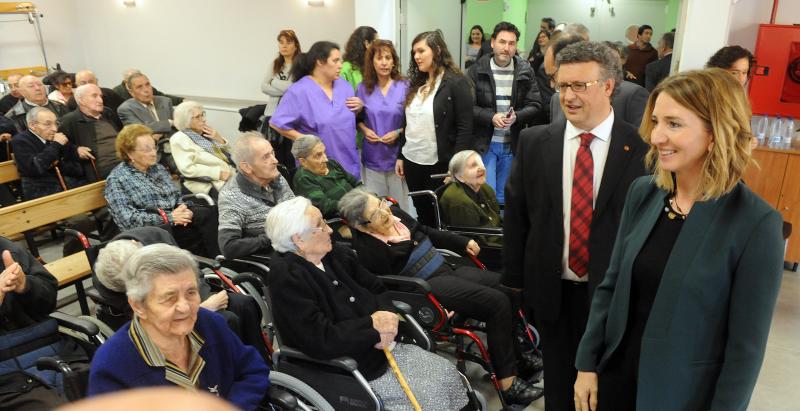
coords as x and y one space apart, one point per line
139 189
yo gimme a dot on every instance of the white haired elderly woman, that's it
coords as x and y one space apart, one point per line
172 341
330 306
469 201
320 179
201 154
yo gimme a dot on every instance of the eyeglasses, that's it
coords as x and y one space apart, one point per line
322 225
50 123
146 149
383 207
577 86
199 116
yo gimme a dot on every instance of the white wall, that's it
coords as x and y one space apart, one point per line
702 30
19 46
426 15
380 14
602 26
203 48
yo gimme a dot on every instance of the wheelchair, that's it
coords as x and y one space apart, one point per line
454 334
337 383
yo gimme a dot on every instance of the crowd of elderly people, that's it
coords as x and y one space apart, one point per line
177 189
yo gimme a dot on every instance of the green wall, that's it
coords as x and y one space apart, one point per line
671 20
488 13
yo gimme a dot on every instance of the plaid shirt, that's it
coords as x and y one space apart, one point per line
130 192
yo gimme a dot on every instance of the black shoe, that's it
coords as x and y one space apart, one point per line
522 392
530 367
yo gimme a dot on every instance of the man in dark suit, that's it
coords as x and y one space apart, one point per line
564 199
93 126
37 152
122 88
151 110
659 69
629 99
145 107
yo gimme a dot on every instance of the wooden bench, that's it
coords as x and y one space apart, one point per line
8 172
29 215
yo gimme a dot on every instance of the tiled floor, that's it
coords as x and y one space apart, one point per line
777 386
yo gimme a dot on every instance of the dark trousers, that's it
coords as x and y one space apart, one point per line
20 392
560 343
199 237
418 177
477 294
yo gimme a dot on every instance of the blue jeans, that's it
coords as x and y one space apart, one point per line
497 160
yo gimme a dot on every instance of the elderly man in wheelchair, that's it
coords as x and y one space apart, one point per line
326 305
390 242
28 333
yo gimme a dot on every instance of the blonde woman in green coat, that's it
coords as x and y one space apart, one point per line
681 319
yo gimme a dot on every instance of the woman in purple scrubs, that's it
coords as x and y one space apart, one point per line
322 104
383 92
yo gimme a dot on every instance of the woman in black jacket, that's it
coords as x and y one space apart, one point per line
438 117
390 242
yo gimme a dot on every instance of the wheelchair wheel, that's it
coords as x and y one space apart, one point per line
307 398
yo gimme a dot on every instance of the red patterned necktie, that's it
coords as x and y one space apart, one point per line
580 217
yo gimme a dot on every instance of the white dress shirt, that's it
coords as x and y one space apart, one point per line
599 149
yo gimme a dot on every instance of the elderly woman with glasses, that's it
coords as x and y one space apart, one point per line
171 341
327 305
201 154
320 179
139 189
390 242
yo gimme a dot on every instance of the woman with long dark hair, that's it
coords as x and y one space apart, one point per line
438 117
321 103
275 85
354 51
536 56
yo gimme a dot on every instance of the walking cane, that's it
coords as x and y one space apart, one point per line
401 380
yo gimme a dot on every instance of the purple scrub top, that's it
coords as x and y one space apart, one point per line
383 114
305 108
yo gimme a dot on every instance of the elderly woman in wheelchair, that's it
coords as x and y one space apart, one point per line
172 341
326 305
390 242
468 202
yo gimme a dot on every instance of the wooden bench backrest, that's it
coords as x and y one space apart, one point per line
71 268
50 209
8 172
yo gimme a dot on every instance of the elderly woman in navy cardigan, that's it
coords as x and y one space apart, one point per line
172 341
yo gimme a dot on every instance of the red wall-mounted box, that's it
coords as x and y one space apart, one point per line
775 84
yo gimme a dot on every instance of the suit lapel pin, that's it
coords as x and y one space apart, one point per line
627 148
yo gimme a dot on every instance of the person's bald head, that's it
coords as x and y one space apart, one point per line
90 99
32 89
13 84
85 77
151 399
